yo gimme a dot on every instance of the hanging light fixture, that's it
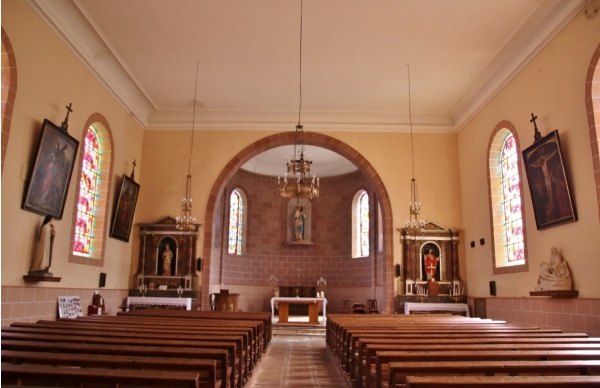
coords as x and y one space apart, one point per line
297 182
414 224
185 221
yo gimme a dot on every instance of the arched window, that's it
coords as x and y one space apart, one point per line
9 89
237 215
360 224
508 225
88 194
93 192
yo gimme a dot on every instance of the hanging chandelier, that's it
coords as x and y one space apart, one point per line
297 181
414 224
186 221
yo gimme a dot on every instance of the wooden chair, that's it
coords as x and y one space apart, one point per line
372 306
345 309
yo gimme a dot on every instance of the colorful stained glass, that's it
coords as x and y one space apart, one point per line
88 193
236 224
363 225
511 203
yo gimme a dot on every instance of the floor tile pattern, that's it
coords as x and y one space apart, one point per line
297 362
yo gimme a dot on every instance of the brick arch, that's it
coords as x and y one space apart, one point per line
592 106
314 139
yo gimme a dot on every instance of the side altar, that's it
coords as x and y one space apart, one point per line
167 258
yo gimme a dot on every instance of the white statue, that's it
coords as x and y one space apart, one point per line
554 275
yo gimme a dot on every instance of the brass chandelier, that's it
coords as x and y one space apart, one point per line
414 225
185 221
297 181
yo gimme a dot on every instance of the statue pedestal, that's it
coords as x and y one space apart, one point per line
555 293
40 276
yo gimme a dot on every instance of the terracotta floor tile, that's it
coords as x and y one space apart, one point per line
297 362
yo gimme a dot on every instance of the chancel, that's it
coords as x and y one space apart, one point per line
356 103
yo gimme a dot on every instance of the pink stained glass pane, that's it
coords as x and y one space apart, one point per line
236 209
511 202
363 234
88 192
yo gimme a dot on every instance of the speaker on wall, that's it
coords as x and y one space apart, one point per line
102 279
493 288
397 270
199 264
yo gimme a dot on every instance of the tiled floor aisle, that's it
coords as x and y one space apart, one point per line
297 362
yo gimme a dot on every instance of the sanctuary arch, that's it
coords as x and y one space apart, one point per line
288 138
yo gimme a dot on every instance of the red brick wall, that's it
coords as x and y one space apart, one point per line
268 253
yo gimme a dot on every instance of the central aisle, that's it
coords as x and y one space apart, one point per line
297 362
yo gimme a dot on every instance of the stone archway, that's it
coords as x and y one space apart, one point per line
314 139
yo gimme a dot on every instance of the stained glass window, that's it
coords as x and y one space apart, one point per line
236 223
360 225
88 193
511 203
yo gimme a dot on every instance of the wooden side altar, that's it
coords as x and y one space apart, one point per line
314 305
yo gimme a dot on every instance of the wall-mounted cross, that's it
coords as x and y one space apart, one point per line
537 136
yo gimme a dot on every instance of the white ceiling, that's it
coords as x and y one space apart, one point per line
354 58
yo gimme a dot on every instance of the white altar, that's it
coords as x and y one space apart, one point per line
313 307
143 301
462 308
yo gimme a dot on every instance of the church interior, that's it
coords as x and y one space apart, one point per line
300 130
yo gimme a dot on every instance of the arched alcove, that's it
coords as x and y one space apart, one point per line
288 138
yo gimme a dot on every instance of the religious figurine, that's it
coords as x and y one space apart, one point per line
299 218
431 262
42 259
554 275
167 256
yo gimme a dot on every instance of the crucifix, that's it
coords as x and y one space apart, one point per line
537 136
133 170
65 124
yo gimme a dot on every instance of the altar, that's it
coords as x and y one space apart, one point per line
314 305
453 308
149 302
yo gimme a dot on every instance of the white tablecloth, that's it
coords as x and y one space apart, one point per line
453 307
299 301
153 301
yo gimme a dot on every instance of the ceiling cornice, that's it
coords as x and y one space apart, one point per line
73 26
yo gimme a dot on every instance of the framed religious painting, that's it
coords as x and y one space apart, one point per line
52 169
550 193
125 209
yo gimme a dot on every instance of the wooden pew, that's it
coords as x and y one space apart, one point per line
224 373
399 371
85 335
364 359
206 369
28 375
386 357
501 381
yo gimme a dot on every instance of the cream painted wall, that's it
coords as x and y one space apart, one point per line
49 78
552 86
166 154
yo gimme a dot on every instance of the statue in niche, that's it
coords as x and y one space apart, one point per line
554 275
430 261
299 218
167 257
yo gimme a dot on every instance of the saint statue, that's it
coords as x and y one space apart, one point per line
167 257
42 258
299 218
431 262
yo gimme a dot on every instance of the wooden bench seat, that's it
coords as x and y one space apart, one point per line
224 372
28 375
501 381
191 338
398 371
384 358
206 369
